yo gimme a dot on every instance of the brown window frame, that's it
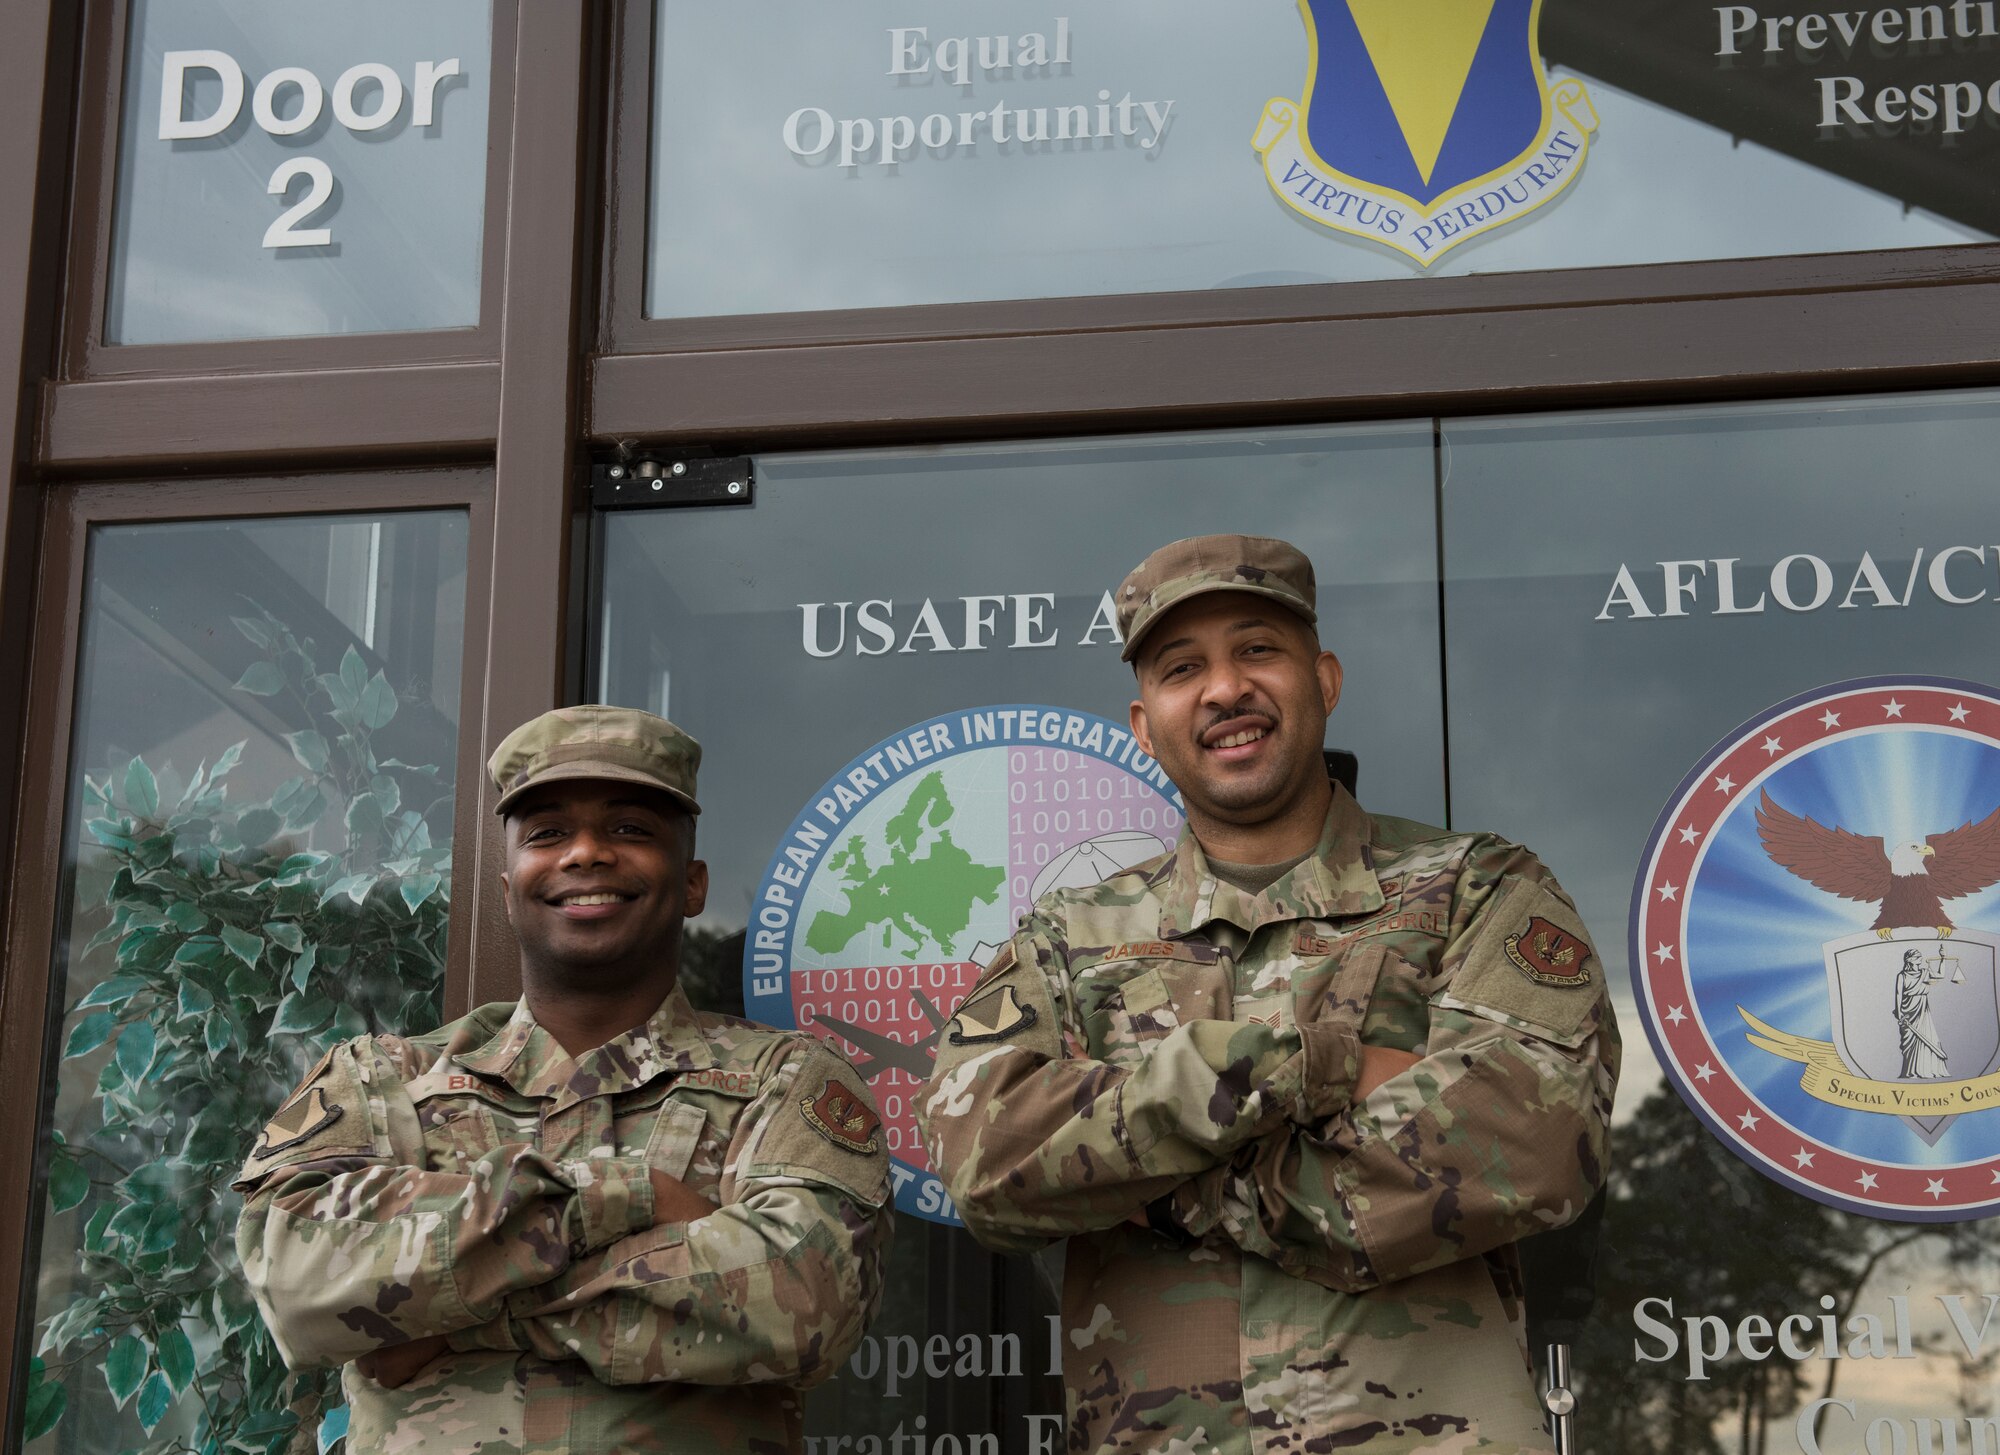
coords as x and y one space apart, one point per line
86 354
30 1001
1721 329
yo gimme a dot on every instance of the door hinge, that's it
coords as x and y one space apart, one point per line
655 482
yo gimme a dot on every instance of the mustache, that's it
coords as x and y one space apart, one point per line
1248 716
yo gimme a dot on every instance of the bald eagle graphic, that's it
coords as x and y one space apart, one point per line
1911 881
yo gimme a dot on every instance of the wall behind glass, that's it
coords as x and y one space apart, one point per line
256 863
859 157
919 646
1628 599
288 168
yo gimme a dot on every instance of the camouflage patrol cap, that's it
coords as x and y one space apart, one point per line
621 744
1201 564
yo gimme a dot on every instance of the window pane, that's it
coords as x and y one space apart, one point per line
288 168
1684 648
992 149
924 639
257 863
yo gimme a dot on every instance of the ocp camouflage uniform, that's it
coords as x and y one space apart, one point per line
478 1183
1320 1274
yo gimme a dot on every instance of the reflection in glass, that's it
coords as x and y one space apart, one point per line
257 863
288 168
929 157
1576 707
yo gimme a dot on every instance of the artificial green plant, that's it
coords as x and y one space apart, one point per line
247 938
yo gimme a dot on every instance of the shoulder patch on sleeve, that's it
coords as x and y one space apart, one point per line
825 1128
995 1017
1532 966
842 1117
327 1116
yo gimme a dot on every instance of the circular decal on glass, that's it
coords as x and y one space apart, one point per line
1816 945
908 870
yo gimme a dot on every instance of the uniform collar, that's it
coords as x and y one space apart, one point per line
1337 878
529 1060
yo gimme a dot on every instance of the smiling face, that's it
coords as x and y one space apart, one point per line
599 877
1234 693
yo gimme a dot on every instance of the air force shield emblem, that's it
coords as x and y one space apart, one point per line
1424 122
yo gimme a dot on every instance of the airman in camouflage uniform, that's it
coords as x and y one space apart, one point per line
1291 1115
520 1234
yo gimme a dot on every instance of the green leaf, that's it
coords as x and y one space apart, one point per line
88 1034
69 1184
155 1400
176 1358
125 1367
115 991
231 756
93 1231
301 1012
257 631
163 1225
258 827
354 886
261 679
204 950
195 1000
242 944
136 1044
288 936
302 968
186 917
310 749
377 702
141 791
46 1403
305 810
348 1023
353 672
416 891
215 1035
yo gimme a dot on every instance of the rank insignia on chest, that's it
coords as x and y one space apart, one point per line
303 1116
842 1118
1549 955
993 1019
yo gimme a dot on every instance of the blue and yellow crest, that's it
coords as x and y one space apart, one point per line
1424 122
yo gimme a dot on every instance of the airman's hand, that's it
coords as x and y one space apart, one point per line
675 1202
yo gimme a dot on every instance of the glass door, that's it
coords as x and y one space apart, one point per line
904 671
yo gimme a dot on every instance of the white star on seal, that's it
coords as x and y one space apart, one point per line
1690 834
1935 1187
1724 784
1959 711
1772 745
1867 1181
1668 891
1704 1072
1996 1179
1664 953
1803 1158
1892 708
1675 1015
1831 719
1748 1121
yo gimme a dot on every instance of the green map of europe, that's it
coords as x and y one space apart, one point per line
912 898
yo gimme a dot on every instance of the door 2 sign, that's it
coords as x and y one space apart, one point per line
1816 945
303 98
908 870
